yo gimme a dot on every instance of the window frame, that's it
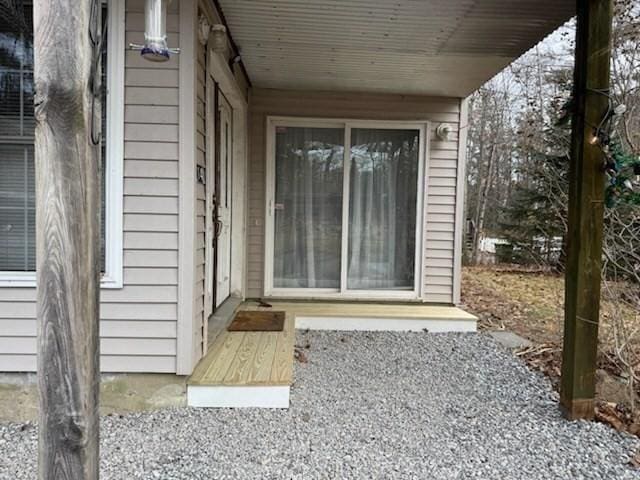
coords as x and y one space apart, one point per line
343 292
114 161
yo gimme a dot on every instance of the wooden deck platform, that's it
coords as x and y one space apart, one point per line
255 369
378 316
245 369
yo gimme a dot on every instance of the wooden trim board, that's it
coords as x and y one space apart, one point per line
463 131
186 348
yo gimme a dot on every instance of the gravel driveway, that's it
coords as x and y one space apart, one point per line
367 405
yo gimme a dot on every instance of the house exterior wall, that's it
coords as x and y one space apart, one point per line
442 192
155 322
138 324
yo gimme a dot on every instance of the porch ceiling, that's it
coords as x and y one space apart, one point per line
439 47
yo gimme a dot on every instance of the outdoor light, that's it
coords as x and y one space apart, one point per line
155 46
203 30
220 42
443 131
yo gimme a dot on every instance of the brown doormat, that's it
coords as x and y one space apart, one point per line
257 321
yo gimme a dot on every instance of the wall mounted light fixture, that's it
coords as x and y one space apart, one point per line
220 42
203 30
443 131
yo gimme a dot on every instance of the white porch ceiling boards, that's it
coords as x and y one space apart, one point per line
439 47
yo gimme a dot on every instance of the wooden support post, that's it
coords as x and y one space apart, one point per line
67 238
586 209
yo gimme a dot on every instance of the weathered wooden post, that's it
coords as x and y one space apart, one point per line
67 236
586 208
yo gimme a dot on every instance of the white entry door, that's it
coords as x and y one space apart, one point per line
224 172
210 206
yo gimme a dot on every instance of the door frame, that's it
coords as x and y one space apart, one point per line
424 126
219 72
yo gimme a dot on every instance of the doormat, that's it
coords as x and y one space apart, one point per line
257 321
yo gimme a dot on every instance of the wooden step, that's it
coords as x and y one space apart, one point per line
245 369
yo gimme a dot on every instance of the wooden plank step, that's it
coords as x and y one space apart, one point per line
248 359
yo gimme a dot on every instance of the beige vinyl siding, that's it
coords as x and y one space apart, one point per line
137 322
440 199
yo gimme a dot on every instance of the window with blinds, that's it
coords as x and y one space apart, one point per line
17 166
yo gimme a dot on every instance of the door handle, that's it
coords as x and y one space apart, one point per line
217 230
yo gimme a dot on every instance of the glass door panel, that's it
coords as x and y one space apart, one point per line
308 207
383 197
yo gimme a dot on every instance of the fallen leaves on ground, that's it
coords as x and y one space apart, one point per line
299 355
613 414
529 302
635 460
544 357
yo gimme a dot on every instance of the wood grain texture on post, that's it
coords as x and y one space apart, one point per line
67 239
586 209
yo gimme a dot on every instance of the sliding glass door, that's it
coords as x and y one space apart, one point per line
308 207
344 221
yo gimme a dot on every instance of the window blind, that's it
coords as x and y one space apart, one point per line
17 166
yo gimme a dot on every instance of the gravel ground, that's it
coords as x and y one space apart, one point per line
366 405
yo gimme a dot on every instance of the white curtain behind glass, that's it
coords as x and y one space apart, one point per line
308 207
382 212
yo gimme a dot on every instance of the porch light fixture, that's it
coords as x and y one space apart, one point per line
443 131
220 42
203 30
155 46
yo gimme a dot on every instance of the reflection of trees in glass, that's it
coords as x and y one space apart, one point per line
16 74
17 171
382 214
308 207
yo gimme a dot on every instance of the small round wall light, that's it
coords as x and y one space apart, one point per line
203 30
443 131
220 44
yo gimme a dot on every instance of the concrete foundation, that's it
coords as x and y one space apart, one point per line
120 393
